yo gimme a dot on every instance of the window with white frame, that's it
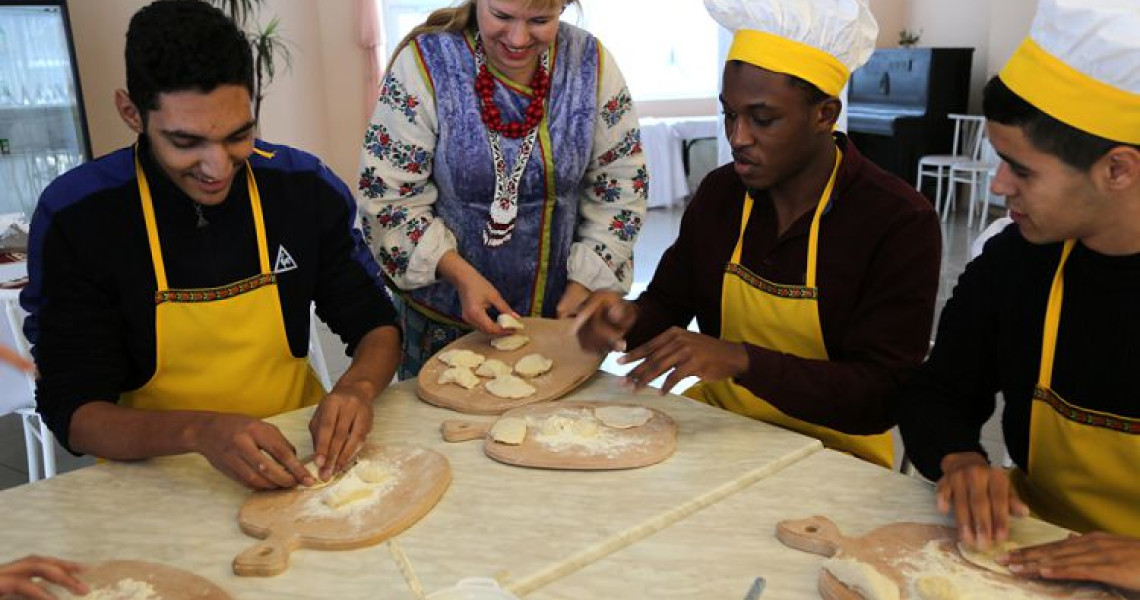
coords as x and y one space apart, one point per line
667 49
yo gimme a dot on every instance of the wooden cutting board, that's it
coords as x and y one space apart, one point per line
289 519
897 551
169 583
551 338
641 446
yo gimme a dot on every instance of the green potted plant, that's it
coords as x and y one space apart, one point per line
909 38
270 50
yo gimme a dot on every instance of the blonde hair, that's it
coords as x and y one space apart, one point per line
458 18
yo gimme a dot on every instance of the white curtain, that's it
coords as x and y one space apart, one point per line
370 37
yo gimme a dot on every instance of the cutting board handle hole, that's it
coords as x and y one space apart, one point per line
265 552
811 529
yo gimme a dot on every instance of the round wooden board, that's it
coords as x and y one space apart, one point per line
552 338
169 583
650 444
888 548
287 519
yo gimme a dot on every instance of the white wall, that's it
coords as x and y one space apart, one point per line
892 16
993 28
316 105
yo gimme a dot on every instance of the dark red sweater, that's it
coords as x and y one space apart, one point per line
879 259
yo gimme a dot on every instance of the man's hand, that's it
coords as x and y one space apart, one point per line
1103 557
340 424
602 322
249 451
19 578
572 300
981 496
476 294
684 353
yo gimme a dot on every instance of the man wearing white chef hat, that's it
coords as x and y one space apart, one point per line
811 272
1048 314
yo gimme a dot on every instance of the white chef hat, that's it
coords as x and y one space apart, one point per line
820 41
1081 65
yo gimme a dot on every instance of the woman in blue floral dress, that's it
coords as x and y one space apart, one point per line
502 171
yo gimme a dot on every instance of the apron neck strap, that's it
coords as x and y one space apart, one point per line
152 225
1053 319
813 235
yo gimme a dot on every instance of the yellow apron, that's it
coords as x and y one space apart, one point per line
222 349
782 318
1082 463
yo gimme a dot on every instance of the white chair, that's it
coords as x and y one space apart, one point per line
968 130
21 397
977 174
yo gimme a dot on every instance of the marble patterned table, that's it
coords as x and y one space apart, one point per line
528 527
719 551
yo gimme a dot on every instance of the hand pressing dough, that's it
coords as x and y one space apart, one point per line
510 342
863 578
986 559
532 365
373 472
509 430
461 376
461 358
623 417
509 386
934 587
348 490
493 367
507 321
314 470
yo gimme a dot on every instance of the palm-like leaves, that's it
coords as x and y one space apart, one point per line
266 43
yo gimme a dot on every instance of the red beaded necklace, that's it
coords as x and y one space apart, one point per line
493 119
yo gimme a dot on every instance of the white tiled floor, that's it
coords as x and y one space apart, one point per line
658 233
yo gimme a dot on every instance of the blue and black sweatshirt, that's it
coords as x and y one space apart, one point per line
91 293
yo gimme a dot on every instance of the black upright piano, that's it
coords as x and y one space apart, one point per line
897 104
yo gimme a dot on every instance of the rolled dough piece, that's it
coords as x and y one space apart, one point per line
533 365
509 430
493 367
986 558
510 342
935 587
314 470
557 425
373 472
864 578
348 490
509 386
461 376
623 417
123 589
507 321
461 358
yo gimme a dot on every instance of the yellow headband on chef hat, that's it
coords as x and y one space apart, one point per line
1081 66
779 54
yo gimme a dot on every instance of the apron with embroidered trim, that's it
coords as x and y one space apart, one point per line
1082 463
782 318
222 349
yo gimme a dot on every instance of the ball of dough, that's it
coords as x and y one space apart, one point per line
532 365
510 342
934 587
493 367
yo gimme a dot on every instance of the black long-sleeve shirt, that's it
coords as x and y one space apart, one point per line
879 256
989 340
91 292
